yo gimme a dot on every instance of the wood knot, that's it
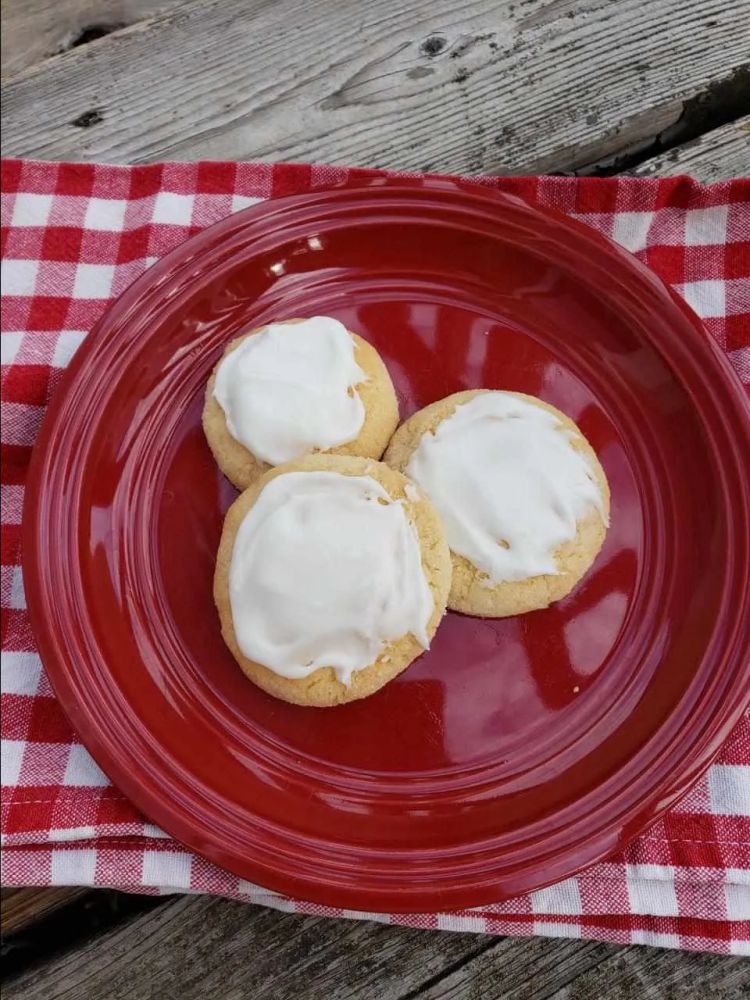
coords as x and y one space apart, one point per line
88 118
433 45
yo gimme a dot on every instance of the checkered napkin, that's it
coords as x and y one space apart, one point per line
75 236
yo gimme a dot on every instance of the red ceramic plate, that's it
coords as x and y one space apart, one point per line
516 751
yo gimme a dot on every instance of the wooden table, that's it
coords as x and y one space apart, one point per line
466 86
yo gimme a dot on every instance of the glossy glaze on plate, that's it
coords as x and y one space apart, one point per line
515 751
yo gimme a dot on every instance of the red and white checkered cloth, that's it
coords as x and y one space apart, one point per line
74 236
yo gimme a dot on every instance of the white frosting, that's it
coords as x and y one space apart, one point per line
507 483
289 389
326 570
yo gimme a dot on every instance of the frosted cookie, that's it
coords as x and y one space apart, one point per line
293 388
331 577
521 493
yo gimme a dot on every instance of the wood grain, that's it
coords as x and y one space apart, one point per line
213 948
573 972
522 969
449 85
221 950
19 908
717 155
661 974
34 30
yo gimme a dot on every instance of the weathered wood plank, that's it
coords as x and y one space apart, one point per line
473 86
660 974
34 30
720 154
520 968
221 950
578 970
19 908
73 916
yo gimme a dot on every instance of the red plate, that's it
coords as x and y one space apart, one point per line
516 751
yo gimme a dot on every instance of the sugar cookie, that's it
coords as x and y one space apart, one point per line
522 495
332 576
295 388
